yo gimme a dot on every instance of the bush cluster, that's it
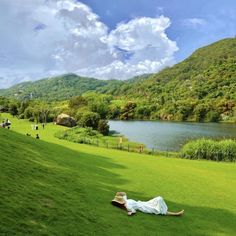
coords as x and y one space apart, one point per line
224 150
79 135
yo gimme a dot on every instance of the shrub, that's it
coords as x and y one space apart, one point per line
13 109
79 135
50 117
77 102
213 116
90 119
114 112
207 149
79 113
103 127
127 112
28 113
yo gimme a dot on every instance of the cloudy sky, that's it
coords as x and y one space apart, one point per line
105 39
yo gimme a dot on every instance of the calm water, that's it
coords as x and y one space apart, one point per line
170 135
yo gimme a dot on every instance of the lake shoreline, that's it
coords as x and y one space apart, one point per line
178 121
171 135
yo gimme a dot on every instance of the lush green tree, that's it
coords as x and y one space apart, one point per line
103 127
4 104
99 107
77 102
28 112
13 108
90 119
22 106
142 112
212 116
200 112
98 103
113 112
44 111
38 110
128 111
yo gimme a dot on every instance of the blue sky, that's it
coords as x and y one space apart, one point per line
105 39
217 18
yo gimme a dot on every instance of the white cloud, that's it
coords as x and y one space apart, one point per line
160 10
139 46
48 37
194 22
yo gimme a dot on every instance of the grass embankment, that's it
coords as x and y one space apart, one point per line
55 187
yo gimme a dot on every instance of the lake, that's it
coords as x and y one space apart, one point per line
170 136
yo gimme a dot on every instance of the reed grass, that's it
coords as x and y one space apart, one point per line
223 150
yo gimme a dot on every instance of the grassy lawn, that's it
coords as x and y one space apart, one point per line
55 187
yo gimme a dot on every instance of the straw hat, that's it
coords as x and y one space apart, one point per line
119 198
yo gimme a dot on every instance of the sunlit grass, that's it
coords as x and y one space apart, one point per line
55 187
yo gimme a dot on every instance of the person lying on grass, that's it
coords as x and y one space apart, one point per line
154 206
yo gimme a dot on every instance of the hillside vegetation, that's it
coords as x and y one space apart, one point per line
201 88
55 187
56 88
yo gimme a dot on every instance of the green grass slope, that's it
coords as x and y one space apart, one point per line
54 187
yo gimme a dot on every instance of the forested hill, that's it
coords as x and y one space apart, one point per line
201 88
66 86
202 85
207 66
58 88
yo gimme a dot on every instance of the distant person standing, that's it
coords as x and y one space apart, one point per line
43 125
8 122
141 148
120 142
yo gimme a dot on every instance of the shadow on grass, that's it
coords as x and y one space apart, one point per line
114 133
198 221
48 189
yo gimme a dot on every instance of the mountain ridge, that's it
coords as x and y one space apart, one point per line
202 87
67 85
